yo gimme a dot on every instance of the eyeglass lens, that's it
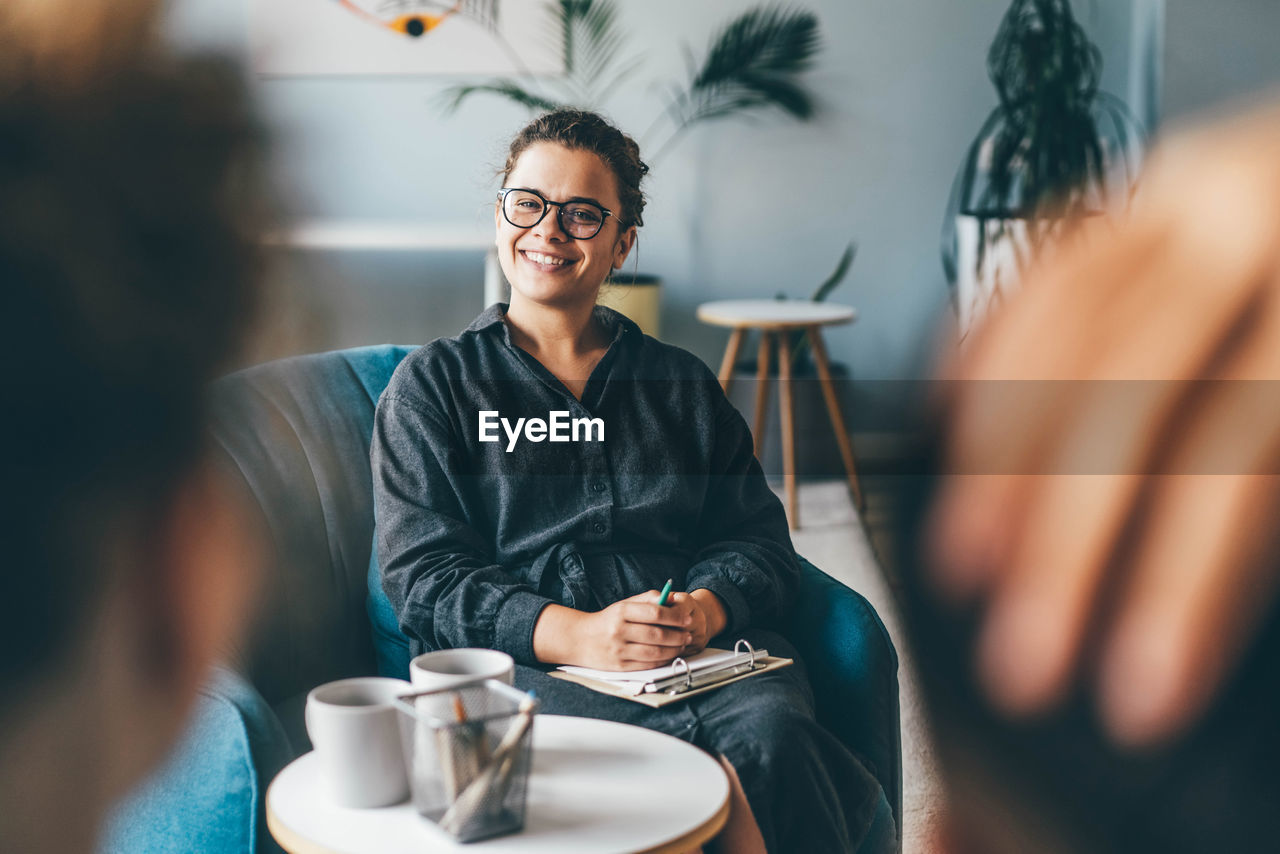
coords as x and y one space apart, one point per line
580 220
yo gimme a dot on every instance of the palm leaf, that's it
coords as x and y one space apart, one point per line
752 64
631 67
453 97
592 43
600 39
767 39
567 12
786 95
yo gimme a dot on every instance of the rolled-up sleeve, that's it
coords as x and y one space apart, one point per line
437 570
745 555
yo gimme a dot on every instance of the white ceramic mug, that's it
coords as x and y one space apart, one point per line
356 734
448 668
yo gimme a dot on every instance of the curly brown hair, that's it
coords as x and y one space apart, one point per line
583 130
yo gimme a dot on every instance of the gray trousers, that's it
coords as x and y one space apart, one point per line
807 791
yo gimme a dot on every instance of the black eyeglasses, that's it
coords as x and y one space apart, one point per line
525 209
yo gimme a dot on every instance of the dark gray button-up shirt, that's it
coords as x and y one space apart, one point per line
476 537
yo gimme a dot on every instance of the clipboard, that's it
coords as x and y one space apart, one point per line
685 682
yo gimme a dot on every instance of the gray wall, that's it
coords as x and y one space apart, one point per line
1219 51
740 209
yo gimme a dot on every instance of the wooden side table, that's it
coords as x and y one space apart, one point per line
596 786
775 319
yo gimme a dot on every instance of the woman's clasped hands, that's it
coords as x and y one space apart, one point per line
635 633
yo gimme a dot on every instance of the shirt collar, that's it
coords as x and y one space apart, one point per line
616 325
491 315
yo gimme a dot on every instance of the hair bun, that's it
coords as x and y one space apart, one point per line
587 131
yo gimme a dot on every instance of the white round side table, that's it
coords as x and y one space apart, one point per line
596 786
776 319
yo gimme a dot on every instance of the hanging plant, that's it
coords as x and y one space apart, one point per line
1056 148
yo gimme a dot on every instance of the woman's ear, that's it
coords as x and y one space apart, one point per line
622 248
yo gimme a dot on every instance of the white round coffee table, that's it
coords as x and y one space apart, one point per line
596 786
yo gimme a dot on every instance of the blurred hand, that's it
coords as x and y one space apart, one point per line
633 634
1137 514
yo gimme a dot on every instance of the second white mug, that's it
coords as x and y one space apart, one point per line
449 668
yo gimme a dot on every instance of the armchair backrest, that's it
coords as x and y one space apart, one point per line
297 431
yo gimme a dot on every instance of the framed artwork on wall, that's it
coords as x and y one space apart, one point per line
345 37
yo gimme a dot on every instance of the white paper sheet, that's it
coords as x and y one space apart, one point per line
709 657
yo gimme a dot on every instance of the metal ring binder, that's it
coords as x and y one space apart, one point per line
688 674
682 676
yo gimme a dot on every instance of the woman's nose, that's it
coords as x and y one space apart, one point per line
549 228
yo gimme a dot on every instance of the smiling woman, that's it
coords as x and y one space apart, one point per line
552 550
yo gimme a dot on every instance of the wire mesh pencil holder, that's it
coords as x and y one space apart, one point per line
469 750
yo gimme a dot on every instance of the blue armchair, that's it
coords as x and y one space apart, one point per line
297 431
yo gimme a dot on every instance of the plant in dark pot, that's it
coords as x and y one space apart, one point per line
754 64
1055 149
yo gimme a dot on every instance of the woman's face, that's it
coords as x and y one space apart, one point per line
543 263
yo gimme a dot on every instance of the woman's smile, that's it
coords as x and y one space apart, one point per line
547 262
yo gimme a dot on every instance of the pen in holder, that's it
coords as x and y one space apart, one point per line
468 751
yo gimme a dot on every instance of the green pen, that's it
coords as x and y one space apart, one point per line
666 593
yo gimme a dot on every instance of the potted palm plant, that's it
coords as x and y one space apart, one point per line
753 64
1056 148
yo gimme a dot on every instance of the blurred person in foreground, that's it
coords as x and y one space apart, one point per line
125 277
1093 576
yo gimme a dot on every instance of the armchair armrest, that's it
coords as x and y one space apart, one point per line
210 794
853 667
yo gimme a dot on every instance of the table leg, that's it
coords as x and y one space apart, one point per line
833 409
762 393
788 432
730 358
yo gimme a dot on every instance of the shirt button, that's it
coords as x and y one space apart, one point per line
598 486
598 527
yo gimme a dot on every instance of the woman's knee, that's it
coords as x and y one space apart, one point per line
780 735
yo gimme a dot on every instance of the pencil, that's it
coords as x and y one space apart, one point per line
666 593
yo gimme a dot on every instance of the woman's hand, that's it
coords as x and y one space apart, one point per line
707 617
1136 501
631 634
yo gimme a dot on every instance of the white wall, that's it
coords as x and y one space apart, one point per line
740 209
